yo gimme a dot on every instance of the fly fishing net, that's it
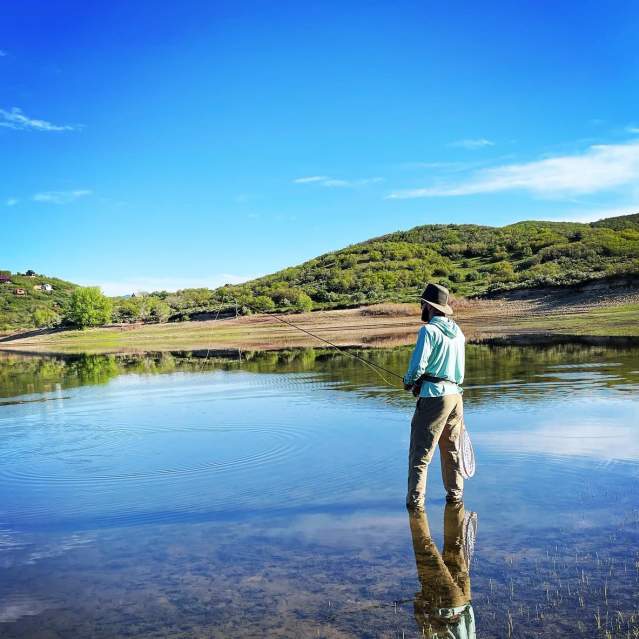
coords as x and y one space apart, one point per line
467 457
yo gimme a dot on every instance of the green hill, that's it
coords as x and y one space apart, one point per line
17 311
469 259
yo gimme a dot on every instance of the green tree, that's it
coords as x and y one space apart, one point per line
156 310
128 310
263 303
303 303
89 307
45 318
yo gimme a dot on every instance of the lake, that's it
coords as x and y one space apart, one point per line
262 495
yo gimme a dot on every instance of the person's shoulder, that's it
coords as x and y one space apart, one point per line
425 333
431 331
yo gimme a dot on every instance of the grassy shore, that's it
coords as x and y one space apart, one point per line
388 325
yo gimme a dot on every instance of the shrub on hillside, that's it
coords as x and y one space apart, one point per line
263 303
155 310
46 318
127 310
303 303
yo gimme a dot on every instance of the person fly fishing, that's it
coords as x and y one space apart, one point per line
435 374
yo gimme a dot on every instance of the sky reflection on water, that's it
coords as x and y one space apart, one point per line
265 497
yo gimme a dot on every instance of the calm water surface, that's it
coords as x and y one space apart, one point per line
262 495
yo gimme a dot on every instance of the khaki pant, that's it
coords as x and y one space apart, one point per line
436 419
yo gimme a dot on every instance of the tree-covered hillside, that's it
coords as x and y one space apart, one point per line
469 259
25 303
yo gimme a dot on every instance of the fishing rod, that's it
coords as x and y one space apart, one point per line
208 349
376 368
467 456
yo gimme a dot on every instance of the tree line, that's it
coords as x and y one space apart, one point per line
470 260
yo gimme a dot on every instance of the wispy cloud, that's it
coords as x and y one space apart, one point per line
601 167
632 129
150 284
3 53
310 179
61 197
11 201
325 180
472 143
16 119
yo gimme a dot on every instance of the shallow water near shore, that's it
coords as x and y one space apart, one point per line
262 495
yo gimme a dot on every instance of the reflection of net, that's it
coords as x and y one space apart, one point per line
467 461
469 535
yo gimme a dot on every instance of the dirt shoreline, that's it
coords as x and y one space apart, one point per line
539 317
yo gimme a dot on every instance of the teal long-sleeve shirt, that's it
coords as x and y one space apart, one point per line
439 352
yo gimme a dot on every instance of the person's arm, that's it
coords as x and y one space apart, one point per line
418 360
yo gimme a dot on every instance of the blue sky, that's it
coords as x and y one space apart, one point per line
150 145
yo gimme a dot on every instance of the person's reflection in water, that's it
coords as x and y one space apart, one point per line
443 607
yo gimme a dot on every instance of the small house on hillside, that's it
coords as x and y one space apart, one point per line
46 288
20 291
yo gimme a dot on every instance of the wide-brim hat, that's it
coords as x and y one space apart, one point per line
437 296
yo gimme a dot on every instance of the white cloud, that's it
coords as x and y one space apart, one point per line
310 179
61 197
16 119
324 180
473 143
11 201
601 167
632 129
334 182
558 439
150 284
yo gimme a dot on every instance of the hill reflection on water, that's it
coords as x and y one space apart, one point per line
493 373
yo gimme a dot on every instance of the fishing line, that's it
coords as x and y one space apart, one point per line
376 368
208 349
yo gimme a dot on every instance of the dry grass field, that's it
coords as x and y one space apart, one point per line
537 313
